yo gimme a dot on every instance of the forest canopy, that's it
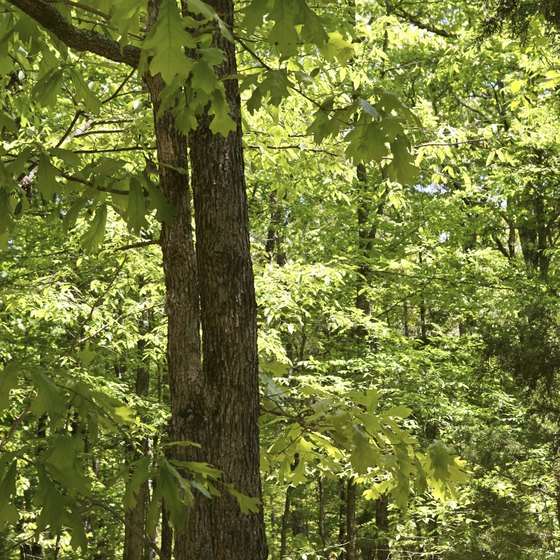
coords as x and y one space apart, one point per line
278 280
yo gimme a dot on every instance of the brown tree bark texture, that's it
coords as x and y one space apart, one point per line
135 545
228 315
182 307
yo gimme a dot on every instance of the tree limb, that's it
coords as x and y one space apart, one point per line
52 20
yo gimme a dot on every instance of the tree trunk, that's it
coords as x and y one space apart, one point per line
135 545
365 243
228 316
273 239
182 306
186 384
351 520
166 536
382 522
285 522
321 516
342 517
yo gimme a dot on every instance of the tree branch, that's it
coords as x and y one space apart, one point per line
139 244
52 20
423 25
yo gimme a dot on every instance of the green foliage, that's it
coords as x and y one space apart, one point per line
168 40
394 157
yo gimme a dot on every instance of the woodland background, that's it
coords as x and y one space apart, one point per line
401 163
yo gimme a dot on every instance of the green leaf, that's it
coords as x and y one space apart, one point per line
62 464
366 142
283 33
72 214
391 128
47 184
48 399
46 89
204 78
8 381
140 474
8 511
86 355
6 61
168 39
292 17
277 85
212 55
6 211
254 14
276 368
313 30
125 414
165 212
202 8
91 101
177 496
52 501
154 512
136 208
203 469
247 504
79 537
400 411
7 123
364 456
222 123
322 126
338 48
439 460
127 17
401 168
93 238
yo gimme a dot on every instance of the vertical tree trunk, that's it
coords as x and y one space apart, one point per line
166 536
285 522
342 517
351 520
228 316
194 542
423 311
382 522
365 243
182 306
321 516
273 239
135 545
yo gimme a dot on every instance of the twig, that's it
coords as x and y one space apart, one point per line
113 150
94 306
13 427
139 244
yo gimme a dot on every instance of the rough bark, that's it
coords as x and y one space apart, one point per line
342 516
166 536
366 237
135 546
182 308
534 233
273 239
228 316
321 516
383 551
188 420
351 521
285 522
